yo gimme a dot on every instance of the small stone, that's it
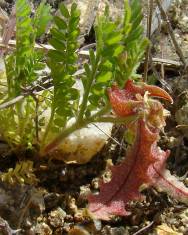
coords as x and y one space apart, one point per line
67 227
107 230
78 230
42 229
181 229
72 205
56 217
84 191
51 200
95 183
78 217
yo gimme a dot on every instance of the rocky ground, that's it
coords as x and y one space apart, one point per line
56 203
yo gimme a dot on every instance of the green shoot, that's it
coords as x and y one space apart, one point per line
107 65
22 69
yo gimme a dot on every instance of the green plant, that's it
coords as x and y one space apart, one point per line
120 46
107 65
62 62
22 68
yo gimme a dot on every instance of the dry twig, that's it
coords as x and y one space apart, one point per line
149 24
8 31
144 229
171 33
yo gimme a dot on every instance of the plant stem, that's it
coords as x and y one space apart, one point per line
148 50
87 90
19 111
67 131
54 143
78 125
124 120
47 128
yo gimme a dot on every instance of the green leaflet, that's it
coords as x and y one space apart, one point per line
26 59
62 61
42 18
22 68
134 42
120 47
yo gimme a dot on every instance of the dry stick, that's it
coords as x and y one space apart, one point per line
12 44
144 228
33 91
86 47
162 55
47 47
163 82
36 117
28 91
9 30
170 30
12 102
156 18
29 196
167 62
149 22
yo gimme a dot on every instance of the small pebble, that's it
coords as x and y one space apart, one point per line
56 217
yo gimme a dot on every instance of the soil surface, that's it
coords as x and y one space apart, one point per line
56 203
